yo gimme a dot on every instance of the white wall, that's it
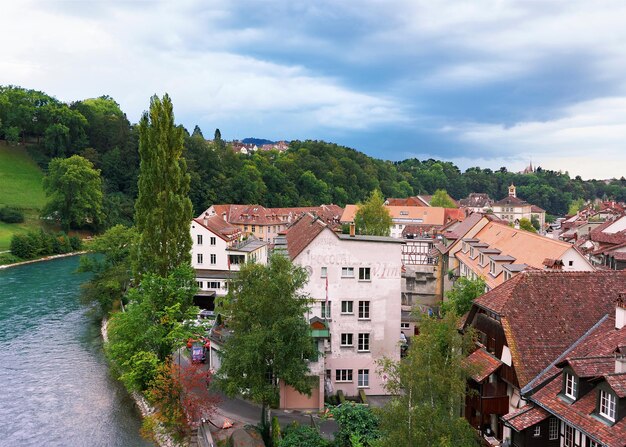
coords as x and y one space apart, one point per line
383 291
579 262
206 249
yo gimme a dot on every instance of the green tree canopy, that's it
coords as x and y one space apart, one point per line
270 338
459 299
442 199
372 218
429 388
163 209
526 224
74 189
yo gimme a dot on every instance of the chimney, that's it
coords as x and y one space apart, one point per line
620 310
620 360
352 229
224 216
205 220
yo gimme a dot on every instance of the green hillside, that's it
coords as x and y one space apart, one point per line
20 186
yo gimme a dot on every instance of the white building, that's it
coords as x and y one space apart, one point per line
356 286
217 252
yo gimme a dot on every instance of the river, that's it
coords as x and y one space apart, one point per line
55 388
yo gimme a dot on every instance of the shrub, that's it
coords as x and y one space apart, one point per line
11 214
302 435
40 243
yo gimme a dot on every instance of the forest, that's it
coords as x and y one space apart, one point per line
308 173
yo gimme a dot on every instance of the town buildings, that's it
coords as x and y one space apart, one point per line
476 203
266 223
497 252
526 327
513 209
355 284
581 398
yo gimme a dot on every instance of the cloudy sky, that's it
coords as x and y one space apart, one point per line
482 82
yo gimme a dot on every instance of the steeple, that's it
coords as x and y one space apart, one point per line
512 191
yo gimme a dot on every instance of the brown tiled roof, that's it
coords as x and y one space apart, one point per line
428 215
260 215
219 227
536 209
409 201
461 229
476 200
420 229
302 233
598 234
618 383
544 312
587 367
481 364
525 417
510 200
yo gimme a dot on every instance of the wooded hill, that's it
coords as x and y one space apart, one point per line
309 173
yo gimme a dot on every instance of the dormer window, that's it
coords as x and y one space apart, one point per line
492 268
472 252
571 386
482 259
464 247
607 405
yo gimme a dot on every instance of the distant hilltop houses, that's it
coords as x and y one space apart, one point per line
250 148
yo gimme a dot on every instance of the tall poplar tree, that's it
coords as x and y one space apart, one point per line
163 209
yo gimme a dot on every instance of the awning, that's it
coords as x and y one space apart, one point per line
525 417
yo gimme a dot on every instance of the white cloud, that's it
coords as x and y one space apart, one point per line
589 139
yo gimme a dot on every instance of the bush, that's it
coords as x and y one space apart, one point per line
10 214
302 435
355 422
40 243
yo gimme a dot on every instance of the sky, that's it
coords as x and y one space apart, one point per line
486 83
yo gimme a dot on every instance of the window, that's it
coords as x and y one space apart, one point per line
199 258
607 405
199 239
343 375
472 252
482 259
213 259
364 342
347 272
363 378
213 284
253 228
537 432
364 273
404 326
364 310
346 340
212 241
553 432
200 284
570 385
245 228
594 443
328 374
346 307
324 273
260 229
569 436
571 263
326 309
507 275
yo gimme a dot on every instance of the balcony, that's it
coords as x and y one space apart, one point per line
486 399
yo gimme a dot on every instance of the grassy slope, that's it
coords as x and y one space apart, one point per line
20 186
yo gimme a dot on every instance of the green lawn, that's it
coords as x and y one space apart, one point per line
20 186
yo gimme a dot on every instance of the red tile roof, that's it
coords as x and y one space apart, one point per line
259 215
525 417
544 312
219 227
510 200
302 233
481 364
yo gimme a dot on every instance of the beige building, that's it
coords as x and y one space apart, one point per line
513 209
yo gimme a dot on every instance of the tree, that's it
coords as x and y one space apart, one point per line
442 199
372 218
163 208
535 221
428 388
526 225
75 191
356 423
460 297
270 338
575 206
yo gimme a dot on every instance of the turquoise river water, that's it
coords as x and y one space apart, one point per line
55 387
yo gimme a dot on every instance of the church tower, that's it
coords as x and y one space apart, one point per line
512 191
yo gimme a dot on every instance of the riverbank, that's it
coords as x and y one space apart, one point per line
146 410
44 258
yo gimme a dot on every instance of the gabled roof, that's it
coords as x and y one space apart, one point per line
260 215
510 200
536 209
544 312
525 417
461 228
219 227
476 200
481 364
610 232
302 233
410 201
